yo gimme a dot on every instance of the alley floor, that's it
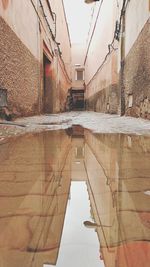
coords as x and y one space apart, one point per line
75 191
74 173
96 122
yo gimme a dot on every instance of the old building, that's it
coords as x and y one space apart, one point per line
117 58
77 90
119 202
100 61
134 52
75 97
35 56
41 71
33 207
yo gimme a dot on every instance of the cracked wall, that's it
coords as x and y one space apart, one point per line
19 72
137 76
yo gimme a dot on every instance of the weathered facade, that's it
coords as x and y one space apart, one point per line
37 74
75 99
35 56
118 197
34 196
117 60
100 61
77 51
135 58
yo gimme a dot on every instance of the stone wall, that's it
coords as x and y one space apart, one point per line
56 87
137 76
31 87
105 100
19 73
102 94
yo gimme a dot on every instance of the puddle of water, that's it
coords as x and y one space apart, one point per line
104 178
147 193
79 245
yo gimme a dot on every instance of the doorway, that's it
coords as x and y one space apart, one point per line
47 85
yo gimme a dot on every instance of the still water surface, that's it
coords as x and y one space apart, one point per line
75 199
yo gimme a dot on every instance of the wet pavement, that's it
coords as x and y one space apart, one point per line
73 198
96 122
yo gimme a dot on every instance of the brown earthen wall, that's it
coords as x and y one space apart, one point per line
137 76
19 73
62 85
105 100
102 94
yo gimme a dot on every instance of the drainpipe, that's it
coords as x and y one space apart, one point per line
122 54
55 21
90 1
39 67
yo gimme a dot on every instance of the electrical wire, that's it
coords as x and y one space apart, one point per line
93 31
40 20
111 45
53 38
90 23
52 35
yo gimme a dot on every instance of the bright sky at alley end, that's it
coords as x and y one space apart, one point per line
78 17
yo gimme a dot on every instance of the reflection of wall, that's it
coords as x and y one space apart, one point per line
78 152
102 169
118 175
34 187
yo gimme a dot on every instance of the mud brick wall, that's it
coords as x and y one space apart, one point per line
106 100
102 94
19 73
137 76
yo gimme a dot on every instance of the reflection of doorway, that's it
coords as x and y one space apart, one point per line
77 99
47 80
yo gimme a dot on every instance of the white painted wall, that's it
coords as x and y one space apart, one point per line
62 33
102 37
22 19
79 19
137 14
78 54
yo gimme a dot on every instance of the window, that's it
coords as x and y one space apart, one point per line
79 75
79 152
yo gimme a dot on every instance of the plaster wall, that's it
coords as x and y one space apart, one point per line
62 32
22 19
137 13
99 41
78 54
100 61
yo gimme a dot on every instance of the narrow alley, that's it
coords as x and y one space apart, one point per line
74 133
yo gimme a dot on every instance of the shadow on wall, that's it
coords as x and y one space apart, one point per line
75 100
5 3
48 88
106 100
5 113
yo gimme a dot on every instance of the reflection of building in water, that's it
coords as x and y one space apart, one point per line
78 152
34 188
35 175
118 173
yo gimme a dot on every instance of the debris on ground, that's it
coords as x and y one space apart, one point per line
96 122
